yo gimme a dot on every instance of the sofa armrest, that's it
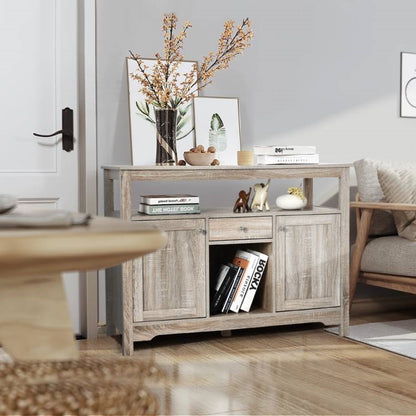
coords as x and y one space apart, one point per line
383 205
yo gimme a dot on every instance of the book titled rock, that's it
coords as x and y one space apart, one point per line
169 199
255 279
169 209
246 260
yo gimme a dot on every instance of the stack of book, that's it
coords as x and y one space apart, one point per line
237 282
169 204
285 155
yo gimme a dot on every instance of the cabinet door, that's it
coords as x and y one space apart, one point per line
170 283
308 262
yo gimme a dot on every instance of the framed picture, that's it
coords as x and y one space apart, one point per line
142 118
408 85
217 124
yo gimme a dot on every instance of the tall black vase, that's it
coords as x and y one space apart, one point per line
165 119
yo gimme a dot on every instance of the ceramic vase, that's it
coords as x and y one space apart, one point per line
288 201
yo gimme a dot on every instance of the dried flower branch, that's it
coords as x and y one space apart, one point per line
161 86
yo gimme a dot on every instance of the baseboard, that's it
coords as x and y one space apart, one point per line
363 306
101 330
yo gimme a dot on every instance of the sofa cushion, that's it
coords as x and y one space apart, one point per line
399 186
390 255
369 190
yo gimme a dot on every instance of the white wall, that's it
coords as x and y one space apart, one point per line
322 72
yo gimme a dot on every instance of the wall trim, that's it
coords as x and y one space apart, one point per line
88 150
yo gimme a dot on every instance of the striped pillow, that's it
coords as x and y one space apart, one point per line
399 186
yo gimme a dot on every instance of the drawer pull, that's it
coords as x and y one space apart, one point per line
243 229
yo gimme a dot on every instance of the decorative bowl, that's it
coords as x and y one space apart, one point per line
199 159
288 201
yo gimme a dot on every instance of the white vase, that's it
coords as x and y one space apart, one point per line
288 201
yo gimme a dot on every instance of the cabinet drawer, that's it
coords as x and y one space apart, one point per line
240 228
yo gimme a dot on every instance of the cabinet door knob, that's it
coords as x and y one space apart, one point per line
202 231
282 228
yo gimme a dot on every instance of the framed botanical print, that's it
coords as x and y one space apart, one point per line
217 123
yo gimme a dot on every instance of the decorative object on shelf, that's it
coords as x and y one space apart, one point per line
197 156
294 199
217 124
241 205
165 86
408 85
143 117
259 201
245 157
165 122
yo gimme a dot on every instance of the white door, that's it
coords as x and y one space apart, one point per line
38 78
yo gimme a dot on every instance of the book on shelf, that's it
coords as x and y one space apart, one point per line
230 295
169 199
225 279
284 150
287 160
169 209
248 262
255 279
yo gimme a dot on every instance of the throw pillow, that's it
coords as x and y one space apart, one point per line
399 186
369 190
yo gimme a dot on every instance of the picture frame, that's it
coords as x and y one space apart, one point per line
407 84
141 118
217 123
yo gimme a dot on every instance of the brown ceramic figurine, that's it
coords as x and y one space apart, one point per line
241 205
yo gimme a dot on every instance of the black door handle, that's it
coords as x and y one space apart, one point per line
67 130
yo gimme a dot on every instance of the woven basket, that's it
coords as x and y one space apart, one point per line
90 386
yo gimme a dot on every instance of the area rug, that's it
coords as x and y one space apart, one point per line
394 336
88 386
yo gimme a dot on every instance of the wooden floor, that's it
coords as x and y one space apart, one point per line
298 370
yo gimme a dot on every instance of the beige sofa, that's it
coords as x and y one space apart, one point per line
385 205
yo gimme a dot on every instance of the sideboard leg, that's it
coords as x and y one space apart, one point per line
127 346
127 282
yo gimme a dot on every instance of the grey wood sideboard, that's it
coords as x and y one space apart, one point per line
168 292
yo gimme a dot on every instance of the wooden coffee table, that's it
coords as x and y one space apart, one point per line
34 319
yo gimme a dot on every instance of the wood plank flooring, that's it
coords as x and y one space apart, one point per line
296 370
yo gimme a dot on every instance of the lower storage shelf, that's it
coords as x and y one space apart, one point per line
145 331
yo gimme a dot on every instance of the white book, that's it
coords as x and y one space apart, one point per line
255 280
284 150
249 260
287 160
169 199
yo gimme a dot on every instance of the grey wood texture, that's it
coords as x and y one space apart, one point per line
308 259
167 292
170 283
240 228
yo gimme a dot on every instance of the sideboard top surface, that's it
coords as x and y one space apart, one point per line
225 172
225 168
